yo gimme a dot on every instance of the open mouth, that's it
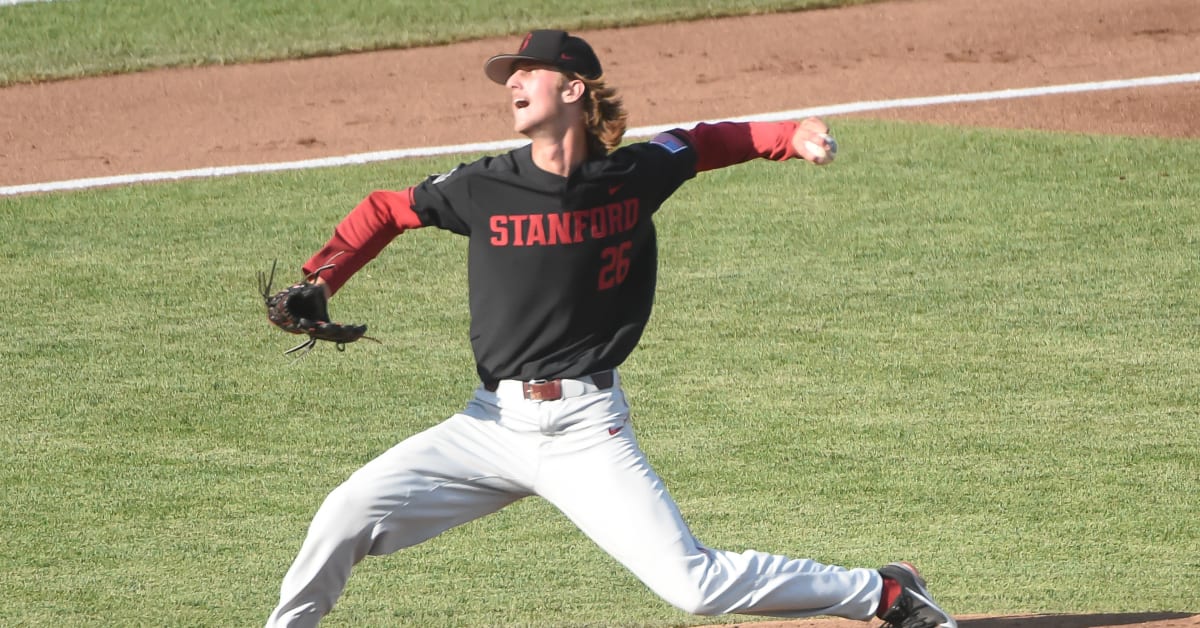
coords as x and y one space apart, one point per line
520 103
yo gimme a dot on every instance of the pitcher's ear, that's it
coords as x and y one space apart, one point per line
573 90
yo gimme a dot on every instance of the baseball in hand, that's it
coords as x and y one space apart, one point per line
821 154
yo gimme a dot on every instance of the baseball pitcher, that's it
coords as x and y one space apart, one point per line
562 262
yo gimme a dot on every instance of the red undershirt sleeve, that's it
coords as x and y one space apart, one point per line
728 143
363 233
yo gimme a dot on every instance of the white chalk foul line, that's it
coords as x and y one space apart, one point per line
646 131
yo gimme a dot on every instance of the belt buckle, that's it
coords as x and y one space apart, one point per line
543 390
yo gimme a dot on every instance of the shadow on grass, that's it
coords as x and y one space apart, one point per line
1097 620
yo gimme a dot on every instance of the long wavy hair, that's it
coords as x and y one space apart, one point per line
604 115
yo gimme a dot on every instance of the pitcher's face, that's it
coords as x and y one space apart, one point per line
539 93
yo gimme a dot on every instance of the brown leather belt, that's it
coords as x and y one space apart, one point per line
551 389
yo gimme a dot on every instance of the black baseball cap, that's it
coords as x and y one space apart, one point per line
557 48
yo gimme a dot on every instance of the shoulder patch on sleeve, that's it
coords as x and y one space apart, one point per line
669 141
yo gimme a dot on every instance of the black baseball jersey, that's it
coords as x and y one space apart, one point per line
561 270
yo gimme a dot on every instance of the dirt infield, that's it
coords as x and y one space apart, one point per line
182 119
1100 620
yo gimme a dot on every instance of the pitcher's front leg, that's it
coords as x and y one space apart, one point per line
416 490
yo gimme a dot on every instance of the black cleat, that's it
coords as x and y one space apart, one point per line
914 606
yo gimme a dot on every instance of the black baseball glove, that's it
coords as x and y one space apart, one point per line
303 308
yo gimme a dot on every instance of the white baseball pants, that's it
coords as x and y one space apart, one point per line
580 454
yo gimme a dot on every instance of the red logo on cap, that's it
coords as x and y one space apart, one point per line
566 57
525 42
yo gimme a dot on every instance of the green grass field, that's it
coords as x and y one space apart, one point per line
976 350
985 362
